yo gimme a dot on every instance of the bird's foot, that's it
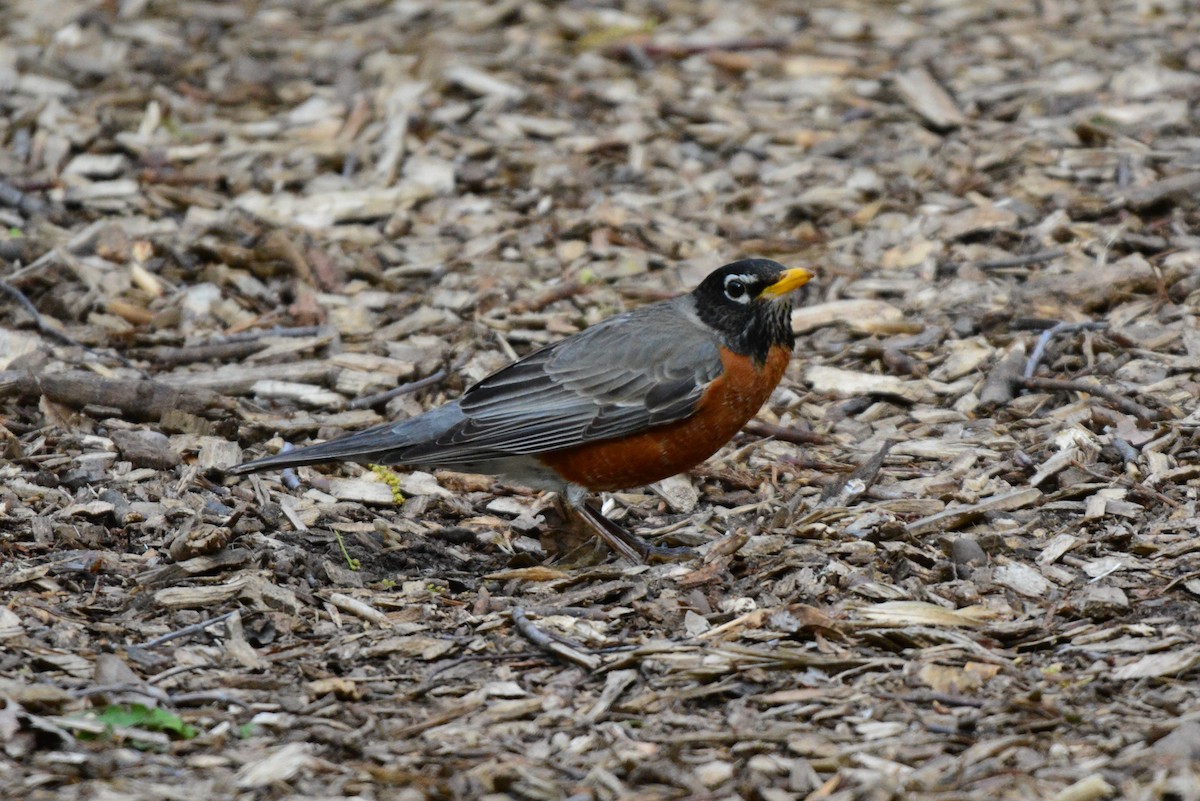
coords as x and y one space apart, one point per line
627 544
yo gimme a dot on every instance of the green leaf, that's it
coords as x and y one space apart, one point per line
142 717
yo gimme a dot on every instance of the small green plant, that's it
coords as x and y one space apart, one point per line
138 716
351 562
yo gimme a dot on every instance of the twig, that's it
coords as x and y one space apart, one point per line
206 696
795 436
188 630
49 330
165 356
368 401
122 688
1019 261
1128 483
940 698
1063 385
360 609
20 273
955 517
100 729
656 50
1044 340
547 643
26 304
503 604
1176 186
251 336
840 493
140 399
563 291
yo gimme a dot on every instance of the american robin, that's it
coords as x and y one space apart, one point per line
631 400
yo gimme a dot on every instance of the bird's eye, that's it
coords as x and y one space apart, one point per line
735 289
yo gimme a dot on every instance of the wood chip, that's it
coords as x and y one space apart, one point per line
954 517
926 97
920 613
1151 666
842 383
1022 579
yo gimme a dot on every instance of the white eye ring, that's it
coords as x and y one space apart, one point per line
736 289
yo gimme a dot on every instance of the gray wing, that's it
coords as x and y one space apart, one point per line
618 377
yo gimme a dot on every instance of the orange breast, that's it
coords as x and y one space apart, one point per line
663 451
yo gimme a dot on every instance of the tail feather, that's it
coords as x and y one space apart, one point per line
383 444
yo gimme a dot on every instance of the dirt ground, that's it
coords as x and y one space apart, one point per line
955 557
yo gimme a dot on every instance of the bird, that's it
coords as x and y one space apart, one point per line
630 400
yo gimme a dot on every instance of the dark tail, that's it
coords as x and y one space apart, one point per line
385 444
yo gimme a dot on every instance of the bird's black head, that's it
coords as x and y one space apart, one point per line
749 304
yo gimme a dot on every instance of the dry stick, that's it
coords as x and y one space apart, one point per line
656 50
368 401
941 698
1019 261
840 493
49 330
1061 385
251 336
206 696
544 641
20 273
226 348
122 688
165 356
554 294
195 628
497 604
1128 483
174 699
1044 340
139 398
40 323
795 436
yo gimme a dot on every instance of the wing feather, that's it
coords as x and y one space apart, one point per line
609 380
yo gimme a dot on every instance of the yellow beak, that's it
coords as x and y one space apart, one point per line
792 279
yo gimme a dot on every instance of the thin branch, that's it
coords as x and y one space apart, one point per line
195 628
1019 261
367 401
1128 483
38 321
795 436
1120 401
252 336
547 643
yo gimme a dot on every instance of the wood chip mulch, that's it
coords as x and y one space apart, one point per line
956 556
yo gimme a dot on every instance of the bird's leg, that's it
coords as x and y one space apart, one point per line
622 542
